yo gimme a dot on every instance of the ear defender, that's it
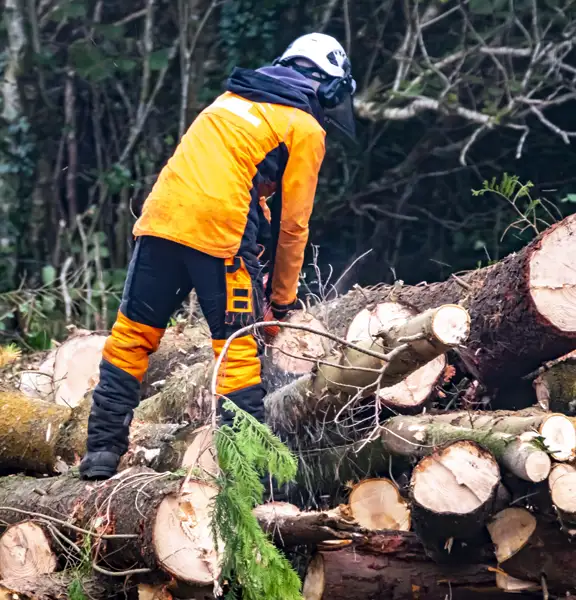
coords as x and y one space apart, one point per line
333 92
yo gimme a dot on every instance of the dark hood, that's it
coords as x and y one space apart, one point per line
277 85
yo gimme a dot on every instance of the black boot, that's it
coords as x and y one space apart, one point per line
99 465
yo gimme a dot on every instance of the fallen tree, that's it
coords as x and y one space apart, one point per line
137 521
358 372
418 436
521 307
43 437
394 565
533 550
57 586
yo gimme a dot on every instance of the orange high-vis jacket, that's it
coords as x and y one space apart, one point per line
262 133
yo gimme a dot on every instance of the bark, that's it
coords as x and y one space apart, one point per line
55 587
453 492
418 436
555 385
44 438
394 565
137 503
180 347
557 431
352 375
530 549
521 317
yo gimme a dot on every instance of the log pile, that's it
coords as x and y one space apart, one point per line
414 482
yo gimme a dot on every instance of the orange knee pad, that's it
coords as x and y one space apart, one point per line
130 344
240 367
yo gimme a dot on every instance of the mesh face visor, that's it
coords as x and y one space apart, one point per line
341 117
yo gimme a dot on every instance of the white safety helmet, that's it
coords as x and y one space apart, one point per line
321 49
333 71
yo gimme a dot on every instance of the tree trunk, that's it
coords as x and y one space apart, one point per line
161 531
26 551
353 375
555 385
410 395
418 436
529 549
56 587
522 307
453 492
45 438
557 431
394 565
289 526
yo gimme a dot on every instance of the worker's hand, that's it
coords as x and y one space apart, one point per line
277 312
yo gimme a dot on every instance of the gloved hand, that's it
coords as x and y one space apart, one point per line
277 312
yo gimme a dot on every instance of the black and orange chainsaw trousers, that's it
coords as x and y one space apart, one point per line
161 275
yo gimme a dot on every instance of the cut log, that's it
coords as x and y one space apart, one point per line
25 551
417 436
57 587
180 347
294 352
45 438
33 435
69 372
289 526
529 549
412 393
522 307
200 453
453 491
39 383
163 534
556 430
394 565
376 504
355 375
77 368
562 484
555 385
182 535
185 394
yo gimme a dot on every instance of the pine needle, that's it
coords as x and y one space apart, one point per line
247 452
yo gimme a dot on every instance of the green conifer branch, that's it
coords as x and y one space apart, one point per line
247 452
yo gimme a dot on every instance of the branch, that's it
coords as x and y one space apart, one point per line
376 111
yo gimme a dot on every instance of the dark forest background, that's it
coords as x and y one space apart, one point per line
96 93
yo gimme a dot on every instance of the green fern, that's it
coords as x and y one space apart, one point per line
246 452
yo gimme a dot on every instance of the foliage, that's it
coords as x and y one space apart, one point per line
450 95
530 211
247 452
